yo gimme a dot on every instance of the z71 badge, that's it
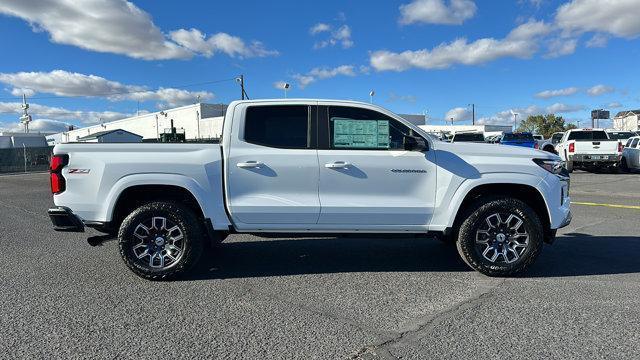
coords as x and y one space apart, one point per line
79 171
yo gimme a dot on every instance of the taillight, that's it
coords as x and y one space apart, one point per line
535 146
58 183
620 147
572 147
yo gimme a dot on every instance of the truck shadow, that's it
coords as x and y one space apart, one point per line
579 255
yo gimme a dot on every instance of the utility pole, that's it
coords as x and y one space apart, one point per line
473 114
240 79
25 119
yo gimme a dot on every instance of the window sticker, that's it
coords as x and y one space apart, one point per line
365 134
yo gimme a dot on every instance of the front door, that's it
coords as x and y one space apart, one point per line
366 176
273 167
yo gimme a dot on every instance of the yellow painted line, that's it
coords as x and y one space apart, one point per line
617 206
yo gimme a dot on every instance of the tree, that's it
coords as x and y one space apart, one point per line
544 125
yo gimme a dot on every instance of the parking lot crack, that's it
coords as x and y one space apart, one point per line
382 334
425 325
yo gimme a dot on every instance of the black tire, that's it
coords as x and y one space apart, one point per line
476 218
191 242
569 165
624 167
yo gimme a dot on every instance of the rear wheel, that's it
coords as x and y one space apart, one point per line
624 167
160 240
569 165
500 237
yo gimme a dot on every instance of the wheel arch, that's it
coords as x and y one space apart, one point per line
134 196
526 192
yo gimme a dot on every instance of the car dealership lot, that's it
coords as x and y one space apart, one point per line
324 297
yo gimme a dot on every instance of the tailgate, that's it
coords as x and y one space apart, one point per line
597 147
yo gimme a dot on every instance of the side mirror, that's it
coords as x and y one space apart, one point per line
415 143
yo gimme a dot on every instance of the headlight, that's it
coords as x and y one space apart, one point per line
552 166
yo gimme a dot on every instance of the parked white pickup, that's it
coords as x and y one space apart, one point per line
589 149
311 166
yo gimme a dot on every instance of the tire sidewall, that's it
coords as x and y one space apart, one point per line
182 217
467 236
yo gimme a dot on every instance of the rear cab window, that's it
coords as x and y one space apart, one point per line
469 137
278 126
588 135
518 137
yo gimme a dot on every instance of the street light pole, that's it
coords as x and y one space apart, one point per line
371 93
515 121
473 114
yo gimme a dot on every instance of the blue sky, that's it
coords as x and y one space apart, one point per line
82 61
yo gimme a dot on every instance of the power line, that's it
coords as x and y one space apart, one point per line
122 92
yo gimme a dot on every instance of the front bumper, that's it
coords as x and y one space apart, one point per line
64 219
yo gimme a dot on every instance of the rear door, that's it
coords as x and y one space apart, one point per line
367 179
272 168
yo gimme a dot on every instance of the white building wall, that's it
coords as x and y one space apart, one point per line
149 126
627 123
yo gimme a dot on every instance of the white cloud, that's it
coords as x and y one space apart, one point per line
280 85
199 43
597 41
563 108
458 114
546 94
506 117
600 90
319 27
454 12
561 46
393 97
58 113
110 26
64 83
323 73
522 42
37 125
341 36
614 105
616 17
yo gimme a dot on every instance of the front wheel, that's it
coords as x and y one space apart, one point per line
500 237
160 240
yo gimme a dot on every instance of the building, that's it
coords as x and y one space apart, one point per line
112 136
9 140
414 119
198 121
628 120
486 129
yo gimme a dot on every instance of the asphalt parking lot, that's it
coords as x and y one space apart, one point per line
324 298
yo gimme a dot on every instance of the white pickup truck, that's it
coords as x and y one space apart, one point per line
311 166
589 149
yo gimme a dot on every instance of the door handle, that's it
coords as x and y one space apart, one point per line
337 165
249 164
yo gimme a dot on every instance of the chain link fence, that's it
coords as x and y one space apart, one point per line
25 159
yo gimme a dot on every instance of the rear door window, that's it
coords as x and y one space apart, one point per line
635 142
278 126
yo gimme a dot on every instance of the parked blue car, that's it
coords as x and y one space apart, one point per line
524 139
